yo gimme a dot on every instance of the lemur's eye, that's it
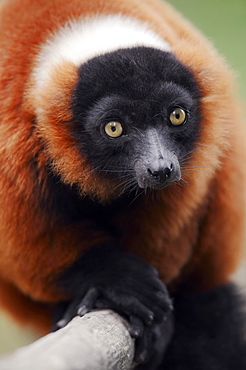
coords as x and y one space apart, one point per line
113 129
177 117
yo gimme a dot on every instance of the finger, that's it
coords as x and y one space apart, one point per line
130 305
142 348
69 314
156 291
155 284
88 302
157 302
136 327
159 309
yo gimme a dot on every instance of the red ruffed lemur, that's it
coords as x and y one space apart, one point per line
121 177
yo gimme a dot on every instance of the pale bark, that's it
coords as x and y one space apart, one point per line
97 341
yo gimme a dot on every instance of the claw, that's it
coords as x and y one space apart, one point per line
61 323
82 310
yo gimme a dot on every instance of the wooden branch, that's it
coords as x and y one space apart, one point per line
97 341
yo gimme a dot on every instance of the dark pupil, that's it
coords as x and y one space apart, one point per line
177 116
113 128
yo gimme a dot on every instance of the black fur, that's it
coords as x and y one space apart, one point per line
70 206
210 331
111 278
138 87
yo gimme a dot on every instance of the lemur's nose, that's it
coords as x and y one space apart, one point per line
162 174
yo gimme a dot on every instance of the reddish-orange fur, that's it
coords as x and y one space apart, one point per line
194 231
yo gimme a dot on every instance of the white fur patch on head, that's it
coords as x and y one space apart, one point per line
81 40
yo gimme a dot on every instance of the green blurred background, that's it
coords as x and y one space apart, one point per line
224 23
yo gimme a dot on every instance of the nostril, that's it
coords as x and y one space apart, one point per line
166 173
154 174
161 175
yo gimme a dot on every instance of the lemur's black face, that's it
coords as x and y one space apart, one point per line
137 115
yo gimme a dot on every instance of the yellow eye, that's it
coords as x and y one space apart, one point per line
177 117
113 129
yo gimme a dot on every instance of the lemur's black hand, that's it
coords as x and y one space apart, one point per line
110 278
